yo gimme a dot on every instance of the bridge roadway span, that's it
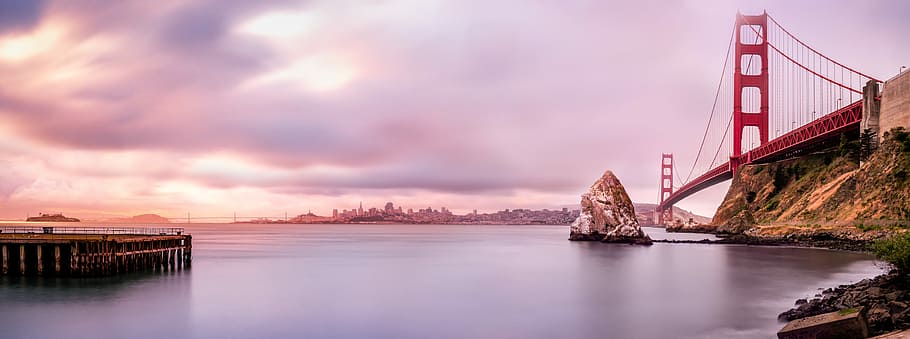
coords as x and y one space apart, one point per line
821 131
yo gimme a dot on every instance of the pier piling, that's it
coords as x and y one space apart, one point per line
92 251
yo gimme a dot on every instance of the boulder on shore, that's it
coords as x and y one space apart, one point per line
607 215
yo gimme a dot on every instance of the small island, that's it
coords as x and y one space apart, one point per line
46 217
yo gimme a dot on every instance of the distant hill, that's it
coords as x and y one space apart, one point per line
143 218
645 213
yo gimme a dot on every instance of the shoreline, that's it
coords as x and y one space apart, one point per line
883 300
823 241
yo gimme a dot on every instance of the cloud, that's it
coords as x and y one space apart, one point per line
18 15
11 180
326 100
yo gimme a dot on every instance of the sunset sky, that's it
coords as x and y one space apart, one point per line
260 107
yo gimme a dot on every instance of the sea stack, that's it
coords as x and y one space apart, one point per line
607 215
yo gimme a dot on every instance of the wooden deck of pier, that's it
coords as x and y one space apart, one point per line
92 251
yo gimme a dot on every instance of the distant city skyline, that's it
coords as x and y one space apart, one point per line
320 212
216 107
442 215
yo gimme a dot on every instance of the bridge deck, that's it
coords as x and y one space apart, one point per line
798 141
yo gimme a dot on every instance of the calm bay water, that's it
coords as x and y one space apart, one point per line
418 281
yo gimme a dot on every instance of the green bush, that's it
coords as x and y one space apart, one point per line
867 228
894 250
900 175
902 137
750 197
867 144
781 178
772 205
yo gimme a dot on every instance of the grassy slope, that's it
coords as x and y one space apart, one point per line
822 190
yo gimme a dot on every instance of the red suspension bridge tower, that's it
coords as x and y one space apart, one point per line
747 84
666 187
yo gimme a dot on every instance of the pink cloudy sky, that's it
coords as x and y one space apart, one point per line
261 107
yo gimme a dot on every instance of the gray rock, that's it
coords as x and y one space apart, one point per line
896 307
879 317
607 215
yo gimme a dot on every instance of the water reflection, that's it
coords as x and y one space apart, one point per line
419 281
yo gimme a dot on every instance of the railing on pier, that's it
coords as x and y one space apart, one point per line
92 230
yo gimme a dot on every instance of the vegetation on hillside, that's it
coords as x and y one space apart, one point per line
854 182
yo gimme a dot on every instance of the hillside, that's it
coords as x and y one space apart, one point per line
143 219
823 191
646 214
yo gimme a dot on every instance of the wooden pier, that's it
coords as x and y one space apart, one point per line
92 251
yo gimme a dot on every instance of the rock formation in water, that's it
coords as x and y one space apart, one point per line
607 214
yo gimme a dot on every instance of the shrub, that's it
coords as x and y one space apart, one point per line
781 178
902 137
750 197
772 205
867 144
867 228
894 250
900 175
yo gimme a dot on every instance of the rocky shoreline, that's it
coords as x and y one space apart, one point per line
691 229
884 300
814 241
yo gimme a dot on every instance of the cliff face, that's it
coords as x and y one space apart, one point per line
822 190
607 214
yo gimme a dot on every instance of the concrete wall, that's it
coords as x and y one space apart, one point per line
895 109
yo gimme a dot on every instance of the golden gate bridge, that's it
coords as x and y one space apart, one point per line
777 97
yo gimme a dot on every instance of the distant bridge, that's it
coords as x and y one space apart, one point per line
233 218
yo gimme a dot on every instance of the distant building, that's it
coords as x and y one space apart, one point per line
335 213
389 208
